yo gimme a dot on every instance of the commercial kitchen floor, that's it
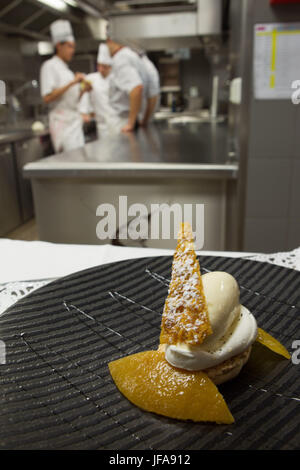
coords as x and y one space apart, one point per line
27 232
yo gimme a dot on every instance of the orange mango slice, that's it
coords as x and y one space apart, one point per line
151 383
267 340
185 317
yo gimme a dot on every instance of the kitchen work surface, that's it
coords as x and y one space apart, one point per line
16 134
164 164
160 150
57 392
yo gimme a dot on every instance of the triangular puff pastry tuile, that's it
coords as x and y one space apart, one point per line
185 317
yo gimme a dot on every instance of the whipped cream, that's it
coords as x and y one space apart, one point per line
234 327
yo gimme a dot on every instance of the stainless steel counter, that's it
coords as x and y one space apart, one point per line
166 164
18 146
14 135
162 150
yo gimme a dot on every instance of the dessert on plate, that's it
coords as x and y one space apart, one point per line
206 338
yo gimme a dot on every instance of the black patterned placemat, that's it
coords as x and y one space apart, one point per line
56 391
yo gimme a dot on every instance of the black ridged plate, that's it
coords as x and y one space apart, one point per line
56 390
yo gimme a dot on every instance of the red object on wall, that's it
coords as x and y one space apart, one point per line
274 2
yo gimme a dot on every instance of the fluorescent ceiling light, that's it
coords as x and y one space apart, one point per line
72 3
45 48
122 5
56 4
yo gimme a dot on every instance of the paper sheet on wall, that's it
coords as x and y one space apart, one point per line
276 60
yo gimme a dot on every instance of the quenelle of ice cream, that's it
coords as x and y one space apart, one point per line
234 327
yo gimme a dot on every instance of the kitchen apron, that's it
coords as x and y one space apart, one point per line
115 124
97 102
107 120
103 129
65 129
65 122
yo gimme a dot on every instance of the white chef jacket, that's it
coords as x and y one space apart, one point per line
97 101
153 83
128 72
64 117
153 77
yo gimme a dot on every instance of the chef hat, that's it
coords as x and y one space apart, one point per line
61 31
104 55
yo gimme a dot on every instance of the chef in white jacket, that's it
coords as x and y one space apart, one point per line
61 89
153 90
128 85
97 101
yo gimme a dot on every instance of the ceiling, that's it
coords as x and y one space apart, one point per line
32 18
123 7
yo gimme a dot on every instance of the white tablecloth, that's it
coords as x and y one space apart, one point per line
27 261
25 266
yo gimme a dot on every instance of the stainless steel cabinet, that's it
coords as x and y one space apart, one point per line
10 215
26 151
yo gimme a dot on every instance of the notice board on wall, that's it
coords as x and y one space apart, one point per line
276 66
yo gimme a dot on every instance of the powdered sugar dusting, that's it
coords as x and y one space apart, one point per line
185 316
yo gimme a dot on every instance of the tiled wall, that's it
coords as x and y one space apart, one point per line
272 215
